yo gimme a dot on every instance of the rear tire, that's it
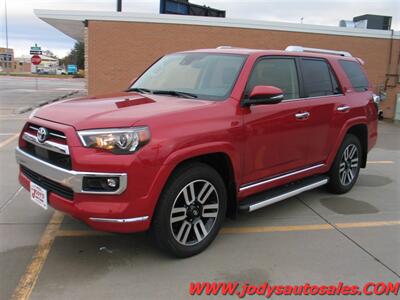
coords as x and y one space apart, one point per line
190 211
346 167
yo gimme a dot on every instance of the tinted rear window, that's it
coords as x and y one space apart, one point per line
318 79
355 74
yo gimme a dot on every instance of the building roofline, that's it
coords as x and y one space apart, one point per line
70 22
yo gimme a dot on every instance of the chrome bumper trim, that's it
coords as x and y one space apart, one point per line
50 133
68 178
131 220
49 145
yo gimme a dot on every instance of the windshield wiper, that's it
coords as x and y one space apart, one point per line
176 93
140 90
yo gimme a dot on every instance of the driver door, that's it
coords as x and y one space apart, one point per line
277 133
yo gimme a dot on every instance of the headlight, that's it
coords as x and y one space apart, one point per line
119 140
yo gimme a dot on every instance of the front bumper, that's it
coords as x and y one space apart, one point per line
70 179
105 211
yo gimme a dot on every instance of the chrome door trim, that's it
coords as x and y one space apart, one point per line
258 183
49 145
311 98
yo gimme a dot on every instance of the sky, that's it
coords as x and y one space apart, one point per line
25 29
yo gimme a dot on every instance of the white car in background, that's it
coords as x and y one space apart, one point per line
61 71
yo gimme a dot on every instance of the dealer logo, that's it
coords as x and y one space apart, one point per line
42 134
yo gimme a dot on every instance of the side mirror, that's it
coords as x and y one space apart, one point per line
264 94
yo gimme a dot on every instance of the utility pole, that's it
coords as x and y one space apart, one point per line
5 7
119 5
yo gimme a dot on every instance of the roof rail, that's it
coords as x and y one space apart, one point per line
316 50
229 47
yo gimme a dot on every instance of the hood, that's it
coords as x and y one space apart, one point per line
115 110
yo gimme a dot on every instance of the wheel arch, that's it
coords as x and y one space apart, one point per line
361 132
359 128
222 163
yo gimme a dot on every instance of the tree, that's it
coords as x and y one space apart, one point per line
76 56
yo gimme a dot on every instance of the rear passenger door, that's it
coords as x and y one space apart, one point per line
323 95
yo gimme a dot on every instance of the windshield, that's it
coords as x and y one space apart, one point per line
196 75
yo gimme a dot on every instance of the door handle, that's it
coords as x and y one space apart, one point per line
343 108
302 116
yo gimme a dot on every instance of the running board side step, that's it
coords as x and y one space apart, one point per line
269 197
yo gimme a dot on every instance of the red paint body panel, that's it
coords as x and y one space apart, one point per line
260 141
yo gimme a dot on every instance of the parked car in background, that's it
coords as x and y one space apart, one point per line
201 135
61 71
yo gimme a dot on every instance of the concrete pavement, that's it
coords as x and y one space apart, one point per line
18 94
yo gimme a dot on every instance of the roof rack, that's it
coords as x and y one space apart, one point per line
316 50
232 47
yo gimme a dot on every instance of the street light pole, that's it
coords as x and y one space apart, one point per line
5 7
119 5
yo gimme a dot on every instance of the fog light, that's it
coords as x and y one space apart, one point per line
100 184
111 182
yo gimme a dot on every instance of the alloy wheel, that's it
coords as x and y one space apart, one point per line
194 212
348 167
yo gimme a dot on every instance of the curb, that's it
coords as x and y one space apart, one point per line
25 109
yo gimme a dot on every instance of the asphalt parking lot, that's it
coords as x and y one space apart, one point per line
315 237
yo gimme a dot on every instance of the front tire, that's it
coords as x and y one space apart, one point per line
191 210
346 167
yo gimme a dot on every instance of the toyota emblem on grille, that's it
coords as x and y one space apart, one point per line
42 134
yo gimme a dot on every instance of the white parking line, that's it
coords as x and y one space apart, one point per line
5 205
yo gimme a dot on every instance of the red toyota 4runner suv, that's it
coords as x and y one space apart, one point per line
201 135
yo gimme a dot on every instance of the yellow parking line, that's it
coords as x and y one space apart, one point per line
380 162
9 140
76 233
264 229
308 227
368 224
255 229
28 280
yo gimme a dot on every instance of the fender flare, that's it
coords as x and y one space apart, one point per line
178 156
343 131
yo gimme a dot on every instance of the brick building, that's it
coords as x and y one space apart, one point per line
7 62
22 64
119 46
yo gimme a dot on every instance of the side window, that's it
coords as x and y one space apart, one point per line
318 78
335 84
278 72
355 74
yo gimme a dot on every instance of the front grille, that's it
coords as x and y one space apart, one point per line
50 185
55 135
54 158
